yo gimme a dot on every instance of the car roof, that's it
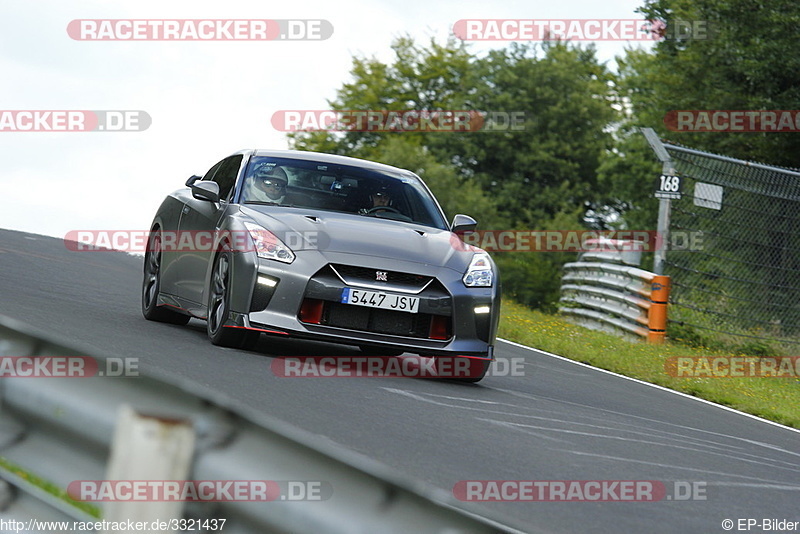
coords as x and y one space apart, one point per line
333 159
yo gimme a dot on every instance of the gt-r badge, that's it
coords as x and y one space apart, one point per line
380 276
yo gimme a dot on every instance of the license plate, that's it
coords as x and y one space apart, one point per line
378 299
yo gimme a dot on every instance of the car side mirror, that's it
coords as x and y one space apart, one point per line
206 191
463 223
192 180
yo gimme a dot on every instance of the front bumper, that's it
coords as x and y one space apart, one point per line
272 300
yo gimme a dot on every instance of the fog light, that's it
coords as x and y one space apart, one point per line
482 309
267 281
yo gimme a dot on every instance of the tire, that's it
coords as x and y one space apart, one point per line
380 351
151 285
219 309
475 370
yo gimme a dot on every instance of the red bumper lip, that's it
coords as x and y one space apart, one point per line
259 329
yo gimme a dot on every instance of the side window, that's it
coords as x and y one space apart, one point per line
210 174
226 172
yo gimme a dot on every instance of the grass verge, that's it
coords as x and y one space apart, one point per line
50 488
773 398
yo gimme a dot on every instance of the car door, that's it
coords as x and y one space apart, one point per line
198 222
172 278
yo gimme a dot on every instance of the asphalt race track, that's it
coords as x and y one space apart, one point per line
561 421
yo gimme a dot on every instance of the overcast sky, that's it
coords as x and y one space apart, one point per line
206 99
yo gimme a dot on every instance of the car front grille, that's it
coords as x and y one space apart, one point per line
395 281
376 320
322 303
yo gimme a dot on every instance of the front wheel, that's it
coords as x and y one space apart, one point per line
219 309
151 285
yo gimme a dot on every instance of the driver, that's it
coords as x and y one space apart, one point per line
267 185
379 198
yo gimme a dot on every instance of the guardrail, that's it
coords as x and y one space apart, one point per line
55 431
604 290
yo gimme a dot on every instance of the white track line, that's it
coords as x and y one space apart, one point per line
662 388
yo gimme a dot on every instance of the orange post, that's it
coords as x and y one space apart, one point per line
657 316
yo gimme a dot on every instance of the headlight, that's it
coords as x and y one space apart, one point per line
268 245
479 273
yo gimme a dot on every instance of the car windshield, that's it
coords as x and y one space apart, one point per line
340 188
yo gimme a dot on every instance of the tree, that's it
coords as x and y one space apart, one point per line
549 167
748 62
545 168
419 79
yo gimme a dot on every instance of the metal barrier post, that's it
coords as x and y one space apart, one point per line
657 315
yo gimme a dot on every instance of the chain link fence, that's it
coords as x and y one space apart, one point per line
734 253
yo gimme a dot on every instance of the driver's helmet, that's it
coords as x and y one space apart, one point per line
267 173
382 192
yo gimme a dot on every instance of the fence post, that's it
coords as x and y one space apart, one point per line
657 317
664 207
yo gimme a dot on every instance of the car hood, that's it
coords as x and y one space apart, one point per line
346 233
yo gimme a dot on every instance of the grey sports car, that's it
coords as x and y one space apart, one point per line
324 247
